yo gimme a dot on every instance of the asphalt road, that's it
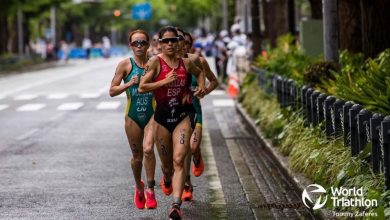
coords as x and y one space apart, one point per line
64 153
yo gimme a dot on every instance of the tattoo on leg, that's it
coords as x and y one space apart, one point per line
195 137
134 148
163 147
182 136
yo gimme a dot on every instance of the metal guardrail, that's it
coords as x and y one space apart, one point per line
356 125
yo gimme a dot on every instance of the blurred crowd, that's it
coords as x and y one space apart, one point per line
63 50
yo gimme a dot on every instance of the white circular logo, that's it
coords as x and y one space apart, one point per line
309 195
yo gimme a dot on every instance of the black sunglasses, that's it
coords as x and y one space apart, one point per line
180 37
138 43
169 39
188 42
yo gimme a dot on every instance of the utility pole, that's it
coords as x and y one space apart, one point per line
20 30
53 24
225 15
331 36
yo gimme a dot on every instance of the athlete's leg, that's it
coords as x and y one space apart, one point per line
149 157
150 165
196 140
163 140
135 135
181 144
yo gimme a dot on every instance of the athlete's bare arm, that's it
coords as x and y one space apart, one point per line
196 71
150 72
213 82
122 69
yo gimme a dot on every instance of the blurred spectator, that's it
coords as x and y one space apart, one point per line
154 48
87 44
63 53
219 48
106 46
237 51
50 51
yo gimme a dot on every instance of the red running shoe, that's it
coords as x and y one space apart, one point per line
187 194
139 197
167 189
151 202
175 213
198 167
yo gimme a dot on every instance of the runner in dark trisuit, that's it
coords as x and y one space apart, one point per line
169 77
138 119
195 115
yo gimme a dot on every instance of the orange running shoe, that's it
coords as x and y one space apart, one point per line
175 213
187 194
151 202
167 190
197 168
139 197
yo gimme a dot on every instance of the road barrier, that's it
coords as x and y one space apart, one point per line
339 118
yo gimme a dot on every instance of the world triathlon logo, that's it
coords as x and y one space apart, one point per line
313 194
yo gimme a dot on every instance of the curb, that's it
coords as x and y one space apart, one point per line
299 180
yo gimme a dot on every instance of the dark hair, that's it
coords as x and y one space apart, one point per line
138 31
166 29
179 29
189 35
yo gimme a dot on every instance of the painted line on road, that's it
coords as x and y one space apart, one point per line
25 97
27 134
30 107
69 73
108 105
217 92
223 103
2 107
89 95
218 203
57 96
70 106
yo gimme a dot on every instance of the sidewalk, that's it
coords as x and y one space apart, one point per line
246 168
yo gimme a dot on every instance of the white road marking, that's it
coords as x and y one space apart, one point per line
25 97
89 95
30 107
217 92
223 103
122 95
2 107
57 96
108 105
70 106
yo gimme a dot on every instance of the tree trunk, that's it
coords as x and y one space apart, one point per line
316 9
291 16
277 19
350 32
375 26
256 34
266 20
4 32
331 35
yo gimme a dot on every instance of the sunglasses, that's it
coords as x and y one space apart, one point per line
138 43
188 42
169 39
180 37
